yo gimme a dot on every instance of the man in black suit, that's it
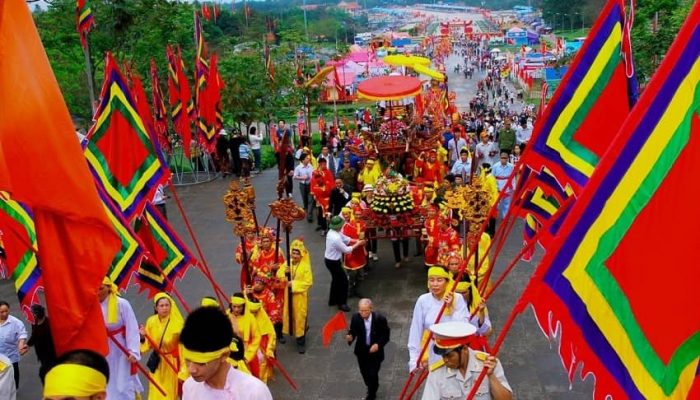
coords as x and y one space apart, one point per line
369 348
340 196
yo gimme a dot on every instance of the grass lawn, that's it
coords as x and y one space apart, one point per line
568 34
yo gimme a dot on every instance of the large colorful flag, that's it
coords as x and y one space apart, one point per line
587 109
132 251
18 234
168 257
179 98
620 285
589 105
160 114
209 108
120 150
144 110
85 21
49 175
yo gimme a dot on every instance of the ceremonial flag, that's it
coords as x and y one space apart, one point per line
205 12
18 236
120 150
579 122
130 254
217 85
337 323
623 260
168 256
85 21
49 175
589 105
201 64
217 11
269 66
160 114
209 108
179 99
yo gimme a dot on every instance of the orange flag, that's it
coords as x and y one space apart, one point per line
48 173
335 324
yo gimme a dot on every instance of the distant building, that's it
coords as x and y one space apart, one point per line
350 7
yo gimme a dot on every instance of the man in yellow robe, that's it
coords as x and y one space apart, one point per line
299 279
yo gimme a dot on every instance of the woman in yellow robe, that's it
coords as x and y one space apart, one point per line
166 323
268 338
301 280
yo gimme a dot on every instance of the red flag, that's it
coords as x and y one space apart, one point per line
337 323
180 98
76 239
160 115
205 12
217 11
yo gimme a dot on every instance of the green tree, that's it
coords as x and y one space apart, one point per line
650 47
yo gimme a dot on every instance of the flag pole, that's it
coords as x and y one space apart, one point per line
88 72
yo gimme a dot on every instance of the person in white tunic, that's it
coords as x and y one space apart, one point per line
425 312
462 368
7 379
123 327
206 343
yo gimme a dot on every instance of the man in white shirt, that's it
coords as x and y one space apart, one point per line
255 139
486 150
455 379
13 338
502 172
303 174
206 340
338 244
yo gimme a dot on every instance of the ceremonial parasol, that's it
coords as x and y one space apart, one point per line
405 61
422 69
389 88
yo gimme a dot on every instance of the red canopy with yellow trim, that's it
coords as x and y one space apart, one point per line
389 88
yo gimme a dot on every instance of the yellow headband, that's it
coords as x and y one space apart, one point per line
175 313
237 301
74 380
438 272
208 302
462 287
253 306
112 308
201 357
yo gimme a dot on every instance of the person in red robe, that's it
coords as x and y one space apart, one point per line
261 290
265 264
430 170
441 239
322 184
250 245
353 262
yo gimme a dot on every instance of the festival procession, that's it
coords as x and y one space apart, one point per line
245 200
